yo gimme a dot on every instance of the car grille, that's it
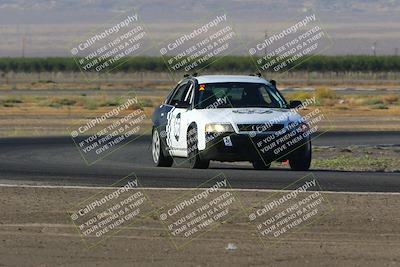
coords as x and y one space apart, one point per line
260 127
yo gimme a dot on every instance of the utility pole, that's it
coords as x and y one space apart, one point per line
23 45
265 49
374 48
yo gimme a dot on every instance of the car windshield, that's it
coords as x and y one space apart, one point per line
238 95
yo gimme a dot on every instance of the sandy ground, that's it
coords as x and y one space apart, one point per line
35 230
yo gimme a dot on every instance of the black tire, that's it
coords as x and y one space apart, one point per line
260 165
195 162
300 159
157 151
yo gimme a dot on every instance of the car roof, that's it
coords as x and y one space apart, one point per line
230 78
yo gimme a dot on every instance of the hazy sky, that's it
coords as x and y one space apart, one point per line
51 27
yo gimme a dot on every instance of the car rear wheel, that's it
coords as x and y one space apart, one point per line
300 159
195 162
260 165
159 159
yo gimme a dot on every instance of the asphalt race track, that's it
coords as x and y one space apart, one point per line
56 161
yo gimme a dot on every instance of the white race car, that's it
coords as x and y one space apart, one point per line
229 118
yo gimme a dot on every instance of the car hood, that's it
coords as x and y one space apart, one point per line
249 115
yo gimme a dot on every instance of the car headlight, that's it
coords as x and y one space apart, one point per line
219 128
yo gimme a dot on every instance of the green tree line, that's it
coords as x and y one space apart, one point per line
228 63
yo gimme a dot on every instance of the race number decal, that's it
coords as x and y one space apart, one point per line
177 126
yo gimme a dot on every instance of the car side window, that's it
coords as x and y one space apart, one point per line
170 95
180 94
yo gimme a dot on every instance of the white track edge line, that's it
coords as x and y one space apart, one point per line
189 189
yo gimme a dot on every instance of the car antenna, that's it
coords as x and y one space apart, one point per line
273 82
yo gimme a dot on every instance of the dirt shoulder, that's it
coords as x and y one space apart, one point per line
35 230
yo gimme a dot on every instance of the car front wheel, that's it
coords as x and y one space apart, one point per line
195 162
300 159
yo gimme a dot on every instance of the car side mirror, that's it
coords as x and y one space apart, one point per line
182 104
295 103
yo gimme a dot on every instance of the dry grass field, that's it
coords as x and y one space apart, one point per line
47 103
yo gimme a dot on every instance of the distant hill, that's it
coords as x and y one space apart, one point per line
47 27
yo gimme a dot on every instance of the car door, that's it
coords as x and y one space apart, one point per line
177 119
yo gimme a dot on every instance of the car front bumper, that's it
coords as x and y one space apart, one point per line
243 147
